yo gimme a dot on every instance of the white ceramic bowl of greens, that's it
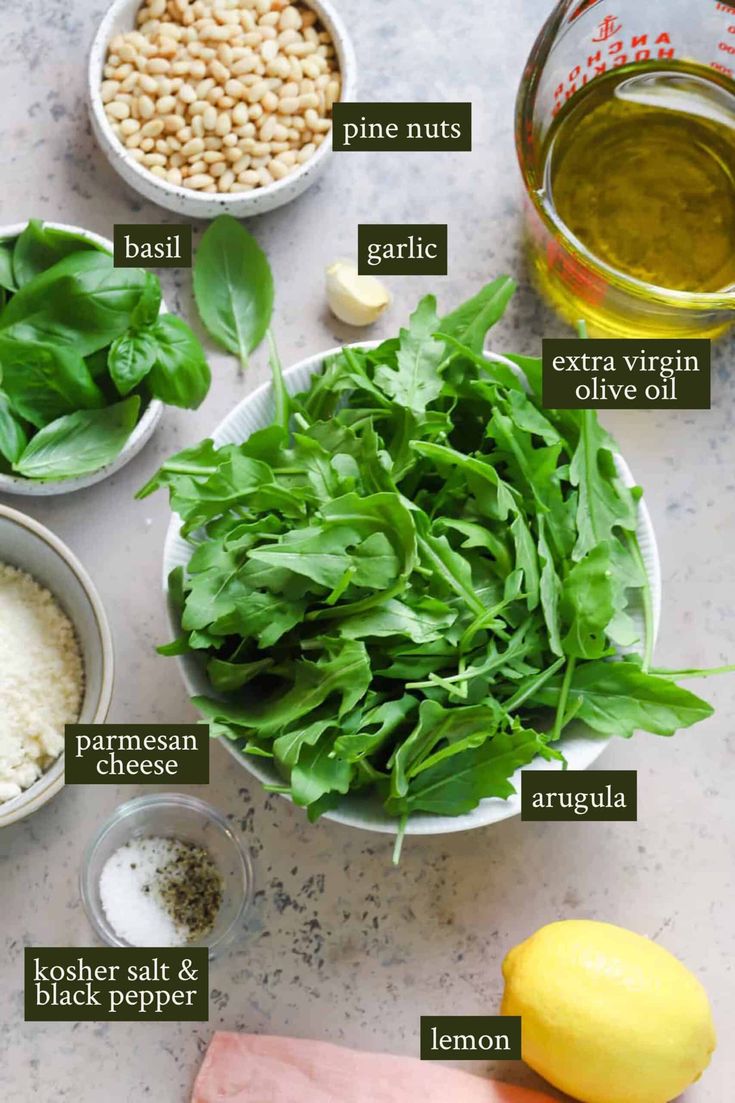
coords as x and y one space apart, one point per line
146 425
29 546
580 746
120 18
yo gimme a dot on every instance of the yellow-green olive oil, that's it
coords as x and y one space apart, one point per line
640 168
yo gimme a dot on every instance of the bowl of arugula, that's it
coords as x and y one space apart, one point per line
88 359
395 581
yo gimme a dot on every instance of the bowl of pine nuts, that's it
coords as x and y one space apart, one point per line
212 106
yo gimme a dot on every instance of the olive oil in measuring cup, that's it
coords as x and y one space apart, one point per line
639 173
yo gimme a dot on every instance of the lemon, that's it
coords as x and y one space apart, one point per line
608 1016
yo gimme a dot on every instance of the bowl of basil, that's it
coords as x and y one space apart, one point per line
89 356
396 580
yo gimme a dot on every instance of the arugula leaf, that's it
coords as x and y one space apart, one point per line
416 381
318 772
226 677
456 784
605 505
332 554
233 287
345 674
410 571
470 322
550 590
421 620
587 604
618 698
436 724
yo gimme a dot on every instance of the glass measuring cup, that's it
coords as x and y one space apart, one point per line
581 41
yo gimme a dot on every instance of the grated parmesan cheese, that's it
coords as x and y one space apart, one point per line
41 680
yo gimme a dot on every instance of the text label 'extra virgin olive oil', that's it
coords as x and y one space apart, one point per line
640 169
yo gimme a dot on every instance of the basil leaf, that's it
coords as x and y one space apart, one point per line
82 302
44 382
79 443
149 306
7 278
39 247
97 363
13 437
130 359
180 375
233 287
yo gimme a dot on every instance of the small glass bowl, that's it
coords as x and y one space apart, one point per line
173 815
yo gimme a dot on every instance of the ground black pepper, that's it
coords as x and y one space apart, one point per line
189 887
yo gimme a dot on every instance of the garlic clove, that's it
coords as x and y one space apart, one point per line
354 299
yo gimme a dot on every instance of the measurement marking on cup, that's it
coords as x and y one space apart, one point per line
613 55
609 27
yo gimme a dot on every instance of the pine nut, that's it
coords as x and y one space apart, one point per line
224 125
305 153
200 180
152 129
196 145
117 110
109 90
221 95
146 107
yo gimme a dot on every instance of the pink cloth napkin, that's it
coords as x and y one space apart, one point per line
247 1068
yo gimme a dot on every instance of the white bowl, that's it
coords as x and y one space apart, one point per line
120 18
141 434
26 544
580 745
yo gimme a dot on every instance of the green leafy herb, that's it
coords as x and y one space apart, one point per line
76 334
233 287
13 438
39 247
79 443
7 276
180 374
44 382
416 578
130 359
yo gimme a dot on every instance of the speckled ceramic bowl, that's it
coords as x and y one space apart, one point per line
26 544
184 201
143 431
580 745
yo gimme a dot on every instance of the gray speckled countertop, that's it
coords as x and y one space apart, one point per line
343 946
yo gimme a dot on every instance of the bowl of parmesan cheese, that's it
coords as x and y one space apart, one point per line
56 660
